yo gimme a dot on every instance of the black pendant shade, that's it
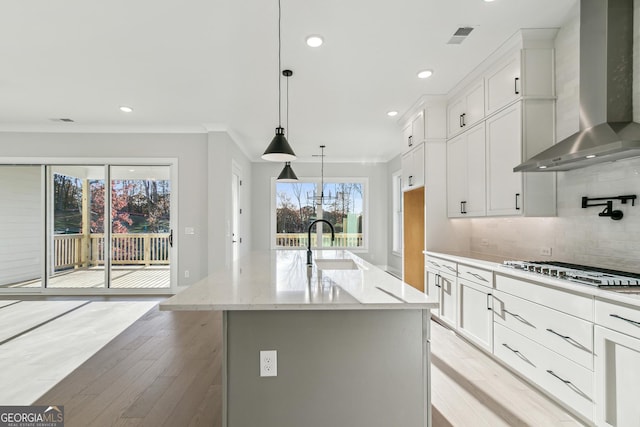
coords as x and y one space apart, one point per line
287 174
279 150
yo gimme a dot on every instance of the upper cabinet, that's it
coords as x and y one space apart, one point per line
522 74
510 136
413 134
425 123
466 109
413 168
512 94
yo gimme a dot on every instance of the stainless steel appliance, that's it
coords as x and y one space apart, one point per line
602 278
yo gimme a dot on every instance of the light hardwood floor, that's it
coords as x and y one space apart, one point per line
165 370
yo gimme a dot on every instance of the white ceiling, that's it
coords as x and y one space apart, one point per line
212 64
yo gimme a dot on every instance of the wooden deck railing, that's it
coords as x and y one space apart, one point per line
77 250
345 240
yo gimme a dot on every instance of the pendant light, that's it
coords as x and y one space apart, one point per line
320 199
279 149
287 174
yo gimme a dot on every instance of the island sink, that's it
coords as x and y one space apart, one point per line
335 264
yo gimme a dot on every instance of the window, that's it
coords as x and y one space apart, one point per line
396 185
341 202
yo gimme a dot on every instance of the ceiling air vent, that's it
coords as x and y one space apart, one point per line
63 120
460 34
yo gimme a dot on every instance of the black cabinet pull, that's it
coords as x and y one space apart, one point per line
410 180
463 207
463 116
460 120
633 322
517 199
438 281
410 140
558 377
515 85
477 276
489 302
171 238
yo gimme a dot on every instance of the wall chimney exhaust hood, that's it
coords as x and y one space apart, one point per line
607 131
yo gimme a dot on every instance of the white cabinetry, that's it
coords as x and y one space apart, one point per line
441 279
523 73
466 193
546 334
617 364
511 136
414 133
413 168
516 89
466 109
474 306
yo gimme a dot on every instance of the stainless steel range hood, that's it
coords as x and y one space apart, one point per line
606 78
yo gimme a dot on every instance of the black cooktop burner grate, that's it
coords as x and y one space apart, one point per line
588 268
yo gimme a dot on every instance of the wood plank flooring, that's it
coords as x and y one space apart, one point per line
165 370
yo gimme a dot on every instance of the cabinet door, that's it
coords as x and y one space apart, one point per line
503 83
417 126
475 317
617 378
407 171
418 166
455 109
432 287
474 105
504 152
448 300
456 176
407 139
476 172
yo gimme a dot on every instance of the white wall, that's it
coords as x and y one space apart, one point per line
20 224
394 260
575 235
379 198
189 149
222 153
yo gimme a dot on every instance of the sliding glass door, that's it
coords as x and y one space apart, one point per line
76 201
141 236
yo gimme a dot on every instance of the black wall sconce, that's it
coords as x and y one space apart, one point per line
608 210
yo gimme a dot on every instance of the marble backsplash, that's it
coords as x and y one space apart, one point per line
576 235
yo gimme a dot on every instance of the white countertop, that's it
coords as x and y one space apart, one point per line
280 280
496 266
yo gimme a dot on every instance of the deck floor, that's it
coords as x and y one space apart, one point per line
156 277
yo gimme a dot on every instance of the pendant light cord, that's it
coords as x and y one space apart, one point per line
279 66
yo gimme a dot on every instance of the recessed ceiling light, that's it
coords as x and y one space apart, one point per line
590 156
314 41
126 109
392 113
542 167
425 74
488 1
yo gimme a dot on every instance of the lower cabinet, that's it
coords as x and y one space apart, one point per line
569 382
448 300
475 316
617 365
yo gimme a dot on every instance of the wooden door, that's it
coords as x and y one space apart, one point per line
413 228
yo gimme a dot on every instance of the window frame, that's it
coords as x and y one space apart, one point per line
316 180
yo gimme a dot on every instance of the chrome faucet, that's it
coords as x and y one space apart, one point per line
333 237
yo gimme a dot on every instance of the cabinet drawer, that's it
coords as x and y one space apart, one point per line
568 302
476 275
564 334
619 317
443 265
567 381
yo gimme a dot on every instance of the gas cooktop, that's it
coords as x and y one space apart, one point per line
585 275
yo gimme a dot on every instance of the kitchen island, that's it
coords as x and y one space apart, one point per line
352 341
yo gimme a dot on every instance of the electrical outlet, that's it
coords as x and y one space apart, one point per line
186 274
545 251
269 363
